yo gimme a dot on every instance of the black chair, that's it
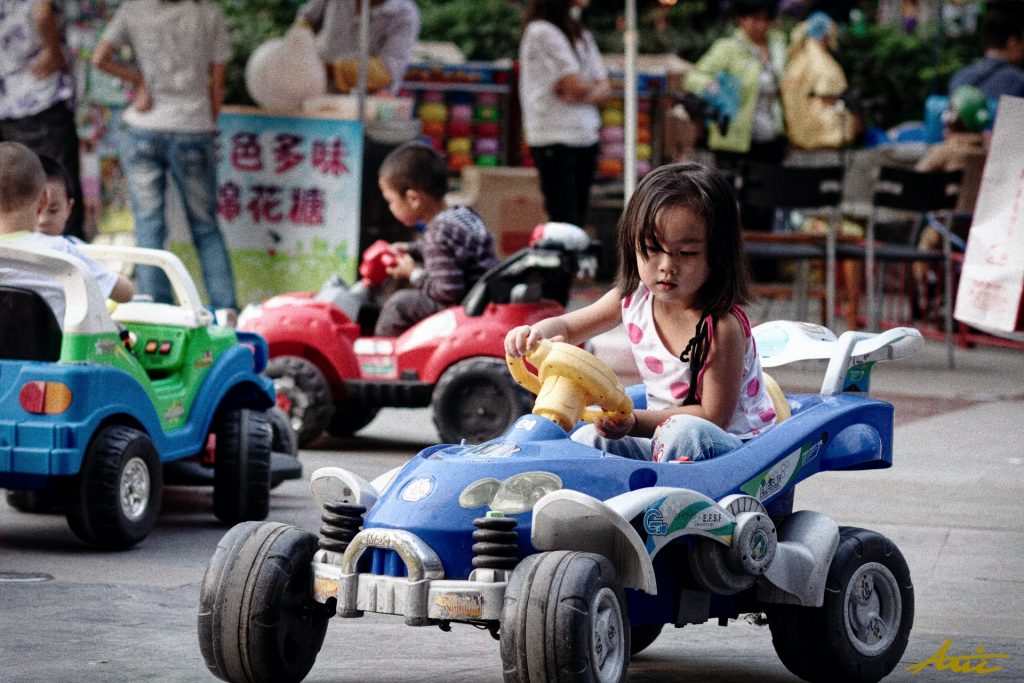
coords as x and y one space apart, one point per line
930 197
783 189
28 328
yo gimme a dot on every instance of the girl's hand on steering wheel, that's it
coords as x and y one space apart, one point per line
611 428
520 340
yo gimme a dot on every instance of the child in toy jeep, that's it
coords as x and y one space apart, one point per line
489 534
682 279
101 428
331 374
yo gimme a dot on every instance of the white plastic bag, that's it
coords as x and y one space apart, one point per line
282 73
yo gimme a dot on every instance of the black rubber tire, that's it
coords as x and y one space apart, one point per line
642 637
477 400
241 465
350 416
117 457
308 392
283 437
257 619
547 620
821 643
44 502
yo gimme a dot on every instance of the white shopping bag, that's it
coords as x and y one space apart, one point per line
991 288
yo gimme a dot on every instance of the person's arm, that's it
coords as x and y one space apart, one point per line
574 327
574 89
218 79
720 386
51 58
401 35
104 60
703 73
124 290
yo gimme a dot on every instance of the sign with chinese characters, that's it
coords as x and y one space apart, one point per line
288 193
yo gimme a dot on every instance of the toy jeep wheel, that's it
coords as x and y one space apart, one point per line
39 502
861 630
642 637
257 618
304 393
241 472
350 416
564 618
476 400
114 500
283 437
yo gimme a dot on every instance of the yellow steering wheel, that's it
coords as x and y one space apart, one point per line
568 380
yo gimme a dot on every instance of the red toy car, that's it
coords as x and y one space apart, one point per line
330 374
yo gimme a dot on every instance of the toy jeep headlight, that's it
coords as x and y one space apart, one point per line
512 496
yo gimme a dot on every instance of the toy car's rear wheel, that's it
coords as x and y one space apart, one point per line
39 502
114 500
642 637
241 472
304 394
283 437
564 619
257 618
861 630
476 400
351 416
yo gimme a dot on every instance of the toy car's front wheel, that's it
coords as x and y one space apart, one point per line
257 618
861 630
241 471
351 416
565 618
114 500
304 393
476 400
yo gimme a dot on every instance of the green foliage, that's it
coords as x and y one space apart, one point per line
250 23
686 29
482 29
896 71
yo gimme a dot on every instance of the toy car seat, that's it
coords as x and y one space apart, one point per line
30 330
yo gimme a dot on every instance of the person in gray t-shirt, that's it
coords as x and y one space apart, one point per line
181 48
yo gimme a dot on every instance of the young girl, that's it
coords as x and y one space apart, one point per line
681 281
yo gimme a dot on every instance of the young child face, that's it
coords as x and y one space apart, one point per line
677 268
404 206
58 207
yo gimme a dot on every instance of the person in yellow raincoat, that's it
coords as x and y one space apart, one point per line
812 86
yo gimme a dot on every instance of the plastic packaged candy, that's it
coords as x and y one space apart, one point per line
459 129
434 129
486 146
609 168
456 162
488 130
461 112
488 160
459 145
486 112
432 111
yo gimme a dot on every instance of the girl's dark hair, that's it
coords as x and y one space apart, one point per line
709 194
54 170
415 166
556 12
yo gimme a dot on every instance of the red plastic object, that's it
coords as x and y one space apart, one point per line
377 258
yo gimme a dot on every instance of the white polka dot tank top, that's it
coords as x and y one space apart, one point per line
667 378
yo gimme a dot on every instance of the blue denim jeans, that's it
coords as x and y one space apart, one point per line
148 158
681 437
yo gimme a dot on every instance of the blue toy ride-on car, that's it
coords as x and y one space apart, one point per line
98 413
575 559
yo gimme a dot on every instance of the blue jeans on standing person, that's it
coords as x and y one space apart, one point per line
684 438
149 157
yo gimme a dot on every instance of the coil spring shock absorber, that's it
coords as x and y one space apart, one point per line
341 522
495 542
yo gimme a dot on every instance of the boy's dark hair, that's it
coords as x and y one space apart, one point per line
1002 21
709 194
415 166
21 177
748 8
55 171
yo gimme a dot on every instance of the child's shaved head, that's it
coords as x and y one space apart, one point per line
21 177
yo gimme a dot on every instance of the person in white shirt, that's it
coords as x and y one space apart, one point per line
23 200
562 80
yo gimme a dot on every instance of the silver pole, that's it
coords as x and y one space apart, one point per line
364 58
630 40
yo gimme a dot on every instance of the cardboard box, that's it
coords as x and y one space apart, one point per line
507 198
